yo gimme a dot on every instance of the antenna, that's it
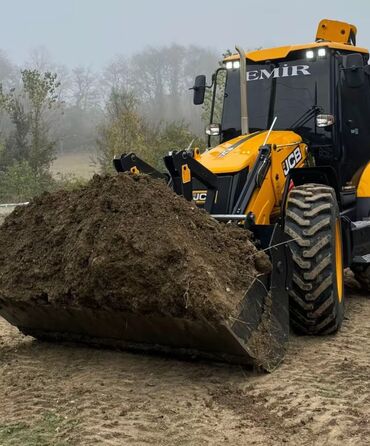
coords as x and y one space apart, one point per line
269 132
191 143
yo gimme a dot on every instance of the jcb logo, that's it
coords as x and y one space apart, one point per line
199 196
292 160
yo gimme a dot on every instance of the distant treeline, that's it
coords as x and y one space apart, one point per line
158 78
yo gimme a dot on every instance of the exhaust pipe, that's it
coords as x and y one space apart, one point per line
243 91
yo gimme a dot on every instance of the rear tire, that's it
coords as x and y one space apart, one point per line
316 297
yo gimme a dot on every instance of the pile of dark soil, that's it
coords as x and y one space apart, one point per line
125 243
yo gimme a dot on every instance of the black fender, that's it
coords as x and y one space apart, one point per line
317 174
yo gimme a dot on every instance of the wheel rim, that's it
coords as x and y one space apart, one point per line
339 260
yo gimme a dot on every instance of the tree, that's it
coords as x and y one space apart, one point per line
160 77
85 90
117 75
176 135
123 130
41 92
20 183
40 59
27 107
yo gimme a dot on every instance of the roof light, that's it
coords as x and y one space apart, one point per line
229 65
321 52
310 54
236 64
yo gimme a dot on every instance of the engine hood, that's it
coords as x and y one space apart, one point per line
241 152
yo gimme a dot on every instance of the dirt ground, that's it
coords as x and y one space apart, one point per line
70 395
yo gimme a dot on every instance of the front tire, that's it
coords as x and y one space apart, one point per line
316 297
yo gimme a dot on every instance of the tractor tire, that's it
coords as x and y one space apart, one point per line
316 297
362 275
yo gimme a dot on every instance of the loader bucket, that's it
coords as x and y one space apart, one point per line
256 335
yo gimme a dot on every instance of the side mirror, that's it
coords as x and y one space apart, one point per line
353 68
199 89
325 120
213 129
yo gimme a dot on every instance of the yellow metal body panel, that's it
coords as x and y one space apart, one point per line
363 189
335 31
283 51
241 152
266 200
235 155
185 174
332 34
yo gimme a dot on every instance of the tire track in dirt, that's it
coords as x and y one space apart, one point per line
320 395
321 392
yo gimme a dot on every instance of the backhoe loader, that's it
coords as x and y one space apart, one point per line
291 165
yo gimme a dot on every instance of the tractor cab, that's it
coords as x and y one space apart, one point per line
288 158
320 90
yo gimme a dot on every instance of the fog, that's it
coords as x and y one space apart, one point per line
92 32
148 51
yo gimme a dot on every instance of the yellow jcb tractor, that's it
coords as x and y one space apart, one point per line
293 156
291 164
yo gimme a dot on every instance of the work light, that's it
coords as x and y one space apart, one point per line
321 52
310 54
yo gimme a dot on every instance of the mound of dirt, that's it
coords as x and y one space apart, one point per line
127 243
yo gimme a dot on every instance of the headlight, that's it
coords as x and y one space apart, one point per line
321 52
235 65
310 54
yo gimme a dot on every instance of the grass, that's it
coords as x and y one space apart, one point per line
44 432
78 164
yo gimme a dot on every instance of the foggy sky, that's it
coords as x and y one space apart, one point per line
83 32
